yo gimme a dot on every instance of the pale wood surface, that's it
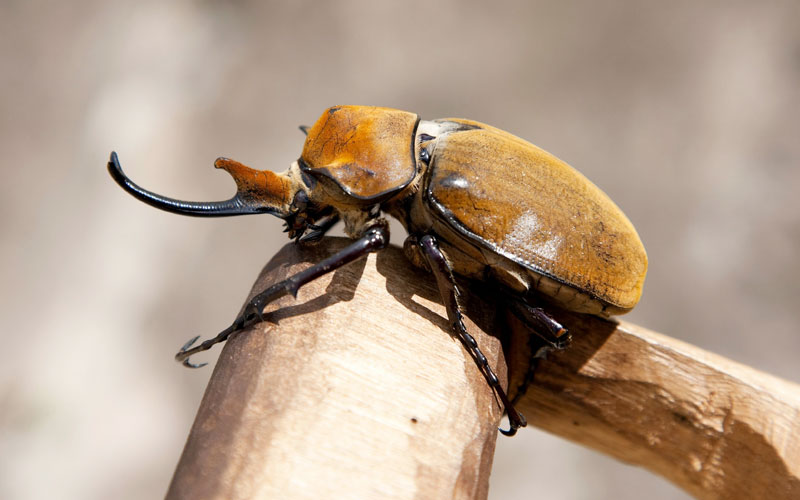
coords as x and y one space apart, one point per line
356 390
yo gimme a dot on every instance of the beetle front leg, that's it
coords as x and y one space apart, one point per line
374 239
447 287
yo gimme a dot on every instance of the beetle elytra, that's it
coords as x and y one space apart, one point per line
476 202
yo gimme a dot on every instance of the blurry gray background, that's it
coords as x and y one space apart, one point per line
686 113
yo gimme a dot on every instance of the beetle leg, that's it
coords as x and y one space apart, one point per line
447 287
319 229
374 239
542 324
549 331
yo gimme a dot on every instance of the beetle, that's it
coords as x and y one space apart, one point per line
476 201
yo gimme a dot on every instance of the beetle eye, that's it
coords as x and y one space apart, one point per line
300 201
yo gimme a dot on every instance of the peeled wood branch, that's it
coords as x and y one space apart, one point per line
357 390
714 427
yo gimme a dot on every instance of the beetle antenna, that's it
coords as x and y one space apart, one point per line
249 198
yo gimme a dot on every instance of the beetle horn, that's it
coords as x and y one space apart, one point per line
258 191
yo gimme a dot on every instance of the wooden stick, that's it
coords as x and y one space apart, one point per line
354 390
714 427
357 390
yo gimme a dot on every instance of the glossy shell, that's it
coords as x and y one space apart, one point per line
368 151
523 203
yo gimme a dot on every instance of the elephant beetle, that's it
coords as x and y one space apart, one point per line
475 200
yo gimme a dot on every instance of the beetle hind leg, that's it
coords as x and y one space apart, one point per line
553 333
374 239
549 335
447 287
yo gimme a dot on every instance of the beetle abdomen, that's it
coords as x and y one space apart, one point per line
527 205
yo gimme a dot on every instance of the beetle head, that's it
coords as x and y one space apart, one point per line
258 191
354 158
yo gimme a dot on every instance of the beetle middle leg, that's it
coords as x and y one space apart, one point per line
374 239
447 288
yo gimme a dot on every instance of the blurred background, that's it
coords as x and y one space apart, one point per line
686 113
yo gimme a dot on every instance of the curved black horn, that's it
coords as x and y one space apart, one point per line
234 206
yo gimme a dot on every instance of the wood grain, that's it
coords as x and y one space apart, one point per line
357 390
714 427
354 390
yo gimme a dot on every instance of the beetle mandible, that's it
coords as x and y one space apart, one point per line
475 200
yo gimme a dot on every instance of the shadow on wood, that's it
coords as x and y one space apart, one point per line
350 391
716 428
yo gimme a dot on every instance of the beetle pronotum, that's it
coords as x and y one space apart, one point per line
475 200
